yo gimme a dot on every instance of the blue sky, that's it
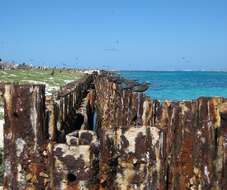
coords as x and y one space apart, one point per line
116 34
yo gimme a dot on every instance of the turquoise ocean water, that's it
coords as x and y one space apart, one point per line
181 85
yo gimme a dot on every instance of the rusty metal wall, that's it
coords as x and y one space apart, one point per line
76 162
193 143
139 143
191 149
131 146
62 106
74 151
32 126
24 158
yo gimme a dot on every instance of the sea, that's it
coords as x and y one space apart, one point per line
180 85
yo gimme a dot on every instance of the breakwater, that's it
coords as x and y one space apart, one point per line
102 132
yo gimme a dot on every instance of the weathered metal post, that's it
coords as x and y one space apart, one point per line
223 144
24 137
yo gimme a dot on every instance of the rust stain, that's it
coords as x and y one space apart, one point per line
138 143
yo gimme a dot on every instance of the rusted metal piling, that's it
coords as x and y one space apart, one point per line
76 161
222 142
102 132
24 137
130 147
68 100
71 158
191 150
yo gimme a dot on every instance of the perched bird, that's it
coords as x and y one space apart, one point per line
141 87
128 84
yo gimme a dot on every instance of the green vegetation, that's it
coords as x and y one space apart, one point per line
1 115
53 78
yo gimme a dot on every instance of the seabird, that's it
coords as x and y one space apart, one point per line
141 87
128 84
